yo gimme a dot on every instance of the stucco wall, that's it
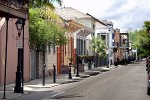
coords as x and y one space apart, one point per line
12 52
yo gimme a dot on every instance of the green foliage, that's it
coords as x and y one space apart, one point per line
141 40
44 28
99 46
41 3
147 25
132 36
70 59
58 36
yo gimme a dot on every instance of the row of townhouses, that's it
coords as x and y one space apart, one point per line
80 30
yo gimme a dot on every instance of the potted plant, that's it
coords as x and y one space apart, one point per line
70 59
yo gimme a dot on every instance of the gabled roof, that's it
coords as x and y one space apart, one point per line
68 13
73 25
84 31
108 23
97 20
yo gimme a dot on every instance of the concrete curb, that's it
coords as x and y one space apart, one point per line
81 75
69 81
92 73
101 69
41 86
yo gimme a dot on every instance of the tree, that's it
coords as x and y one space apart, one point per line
141 40
45 28
41 3
41 28
99 47
147 25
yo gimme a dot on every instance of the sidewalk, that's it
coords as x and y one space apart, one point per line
36 85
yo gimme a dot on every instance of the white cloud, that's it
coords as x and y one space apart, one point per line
123 13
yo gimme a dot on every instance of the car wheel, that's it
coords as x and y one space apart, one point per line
148 91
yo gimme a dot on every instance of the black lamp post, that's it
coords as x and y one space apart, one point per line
77 75
70 76
18 85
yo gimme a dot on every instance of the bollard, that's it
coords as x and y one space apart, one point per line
54 73
77 75
70 76
44 74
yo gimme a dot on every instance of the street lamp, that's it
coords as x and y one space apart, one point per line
19 25
18 85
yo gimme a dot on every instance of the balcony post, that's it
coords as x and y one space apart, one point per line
7 18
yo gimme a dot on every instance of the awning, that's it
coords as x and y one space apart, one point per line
84 32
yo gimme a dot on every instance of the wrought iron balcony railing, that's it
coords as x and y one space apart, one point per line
20 5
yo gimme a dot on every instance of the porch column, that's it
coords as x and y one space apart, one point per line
58 60
74 49
80 45
7 18
84 45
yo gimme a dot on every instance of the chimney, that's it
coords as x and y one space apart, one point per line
117 30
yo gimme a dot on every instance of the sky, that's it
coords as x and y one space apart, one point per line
125 14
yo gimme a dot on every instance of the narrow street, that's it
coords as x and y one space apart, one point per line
124 83
127 82
45 44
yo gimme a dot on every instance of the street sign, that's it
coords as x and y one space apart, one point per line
19 42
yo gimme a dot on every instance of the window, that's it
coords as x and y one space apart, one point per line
65 49
103 37
54 49
81 50
92 34
98 34
93 26
49 48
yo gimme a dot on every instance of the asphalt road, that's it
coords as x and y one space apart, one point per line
123 83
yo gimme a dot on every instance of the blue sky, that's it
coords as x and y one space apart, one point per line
124 14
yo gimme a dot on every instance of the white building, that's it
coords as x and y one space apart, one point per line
107 34
81 35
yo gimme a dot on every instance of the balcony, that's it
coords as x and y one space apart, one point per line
14 8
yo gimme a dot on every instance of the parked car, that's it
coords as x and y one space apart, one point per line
148 74
148 84
148 61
